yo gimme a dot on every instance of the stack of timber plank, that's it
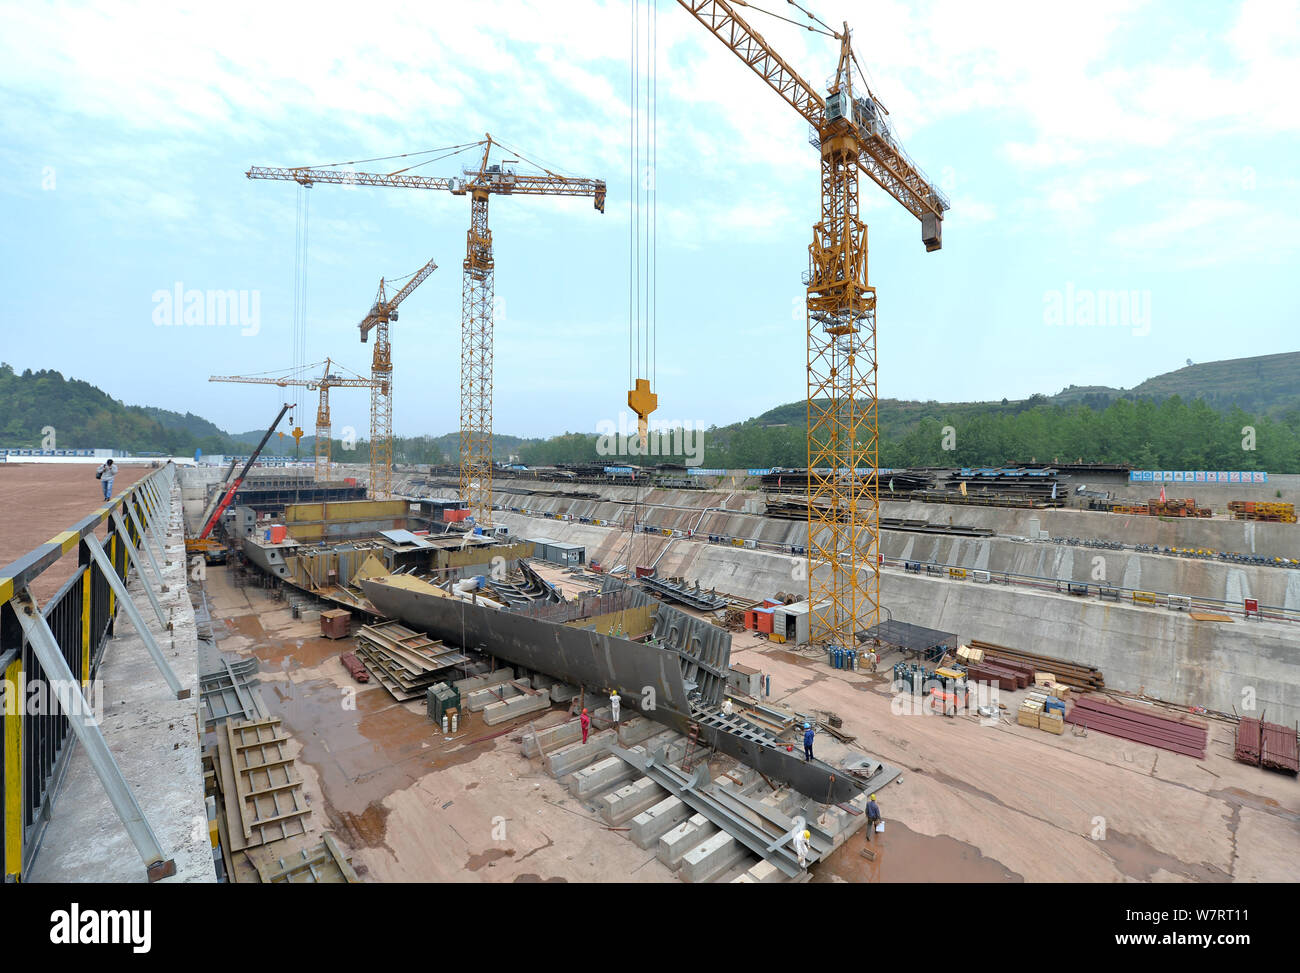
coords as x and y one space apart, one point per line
407 663
1076 675
1181 734
260 789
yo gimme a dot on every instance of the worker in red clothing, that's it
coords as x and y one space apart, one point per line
586 724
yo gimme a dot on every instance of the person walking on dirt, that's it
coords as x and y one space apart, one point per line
105 475
585 720
873 816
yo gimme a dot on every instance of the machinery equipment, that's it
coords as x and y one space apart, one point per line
235 484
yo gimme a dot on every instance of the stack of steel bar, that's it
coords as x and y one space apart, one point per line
998 675
1177 733
405 662
1076 675
1277 749
1246 749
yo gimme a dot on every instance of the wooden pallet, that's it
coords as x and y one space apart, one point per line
261 792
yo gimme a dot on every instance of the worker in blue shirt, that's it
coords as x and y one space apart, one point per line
873 816
807 741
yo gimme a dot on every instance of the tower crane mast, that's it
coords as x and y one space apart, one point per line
327 381
852 134
383 311
477 290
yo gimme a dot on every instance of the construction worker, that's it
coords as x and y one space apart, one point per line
613 704
873 659
801 847
873 816
726 707
807 741
585 720
105 475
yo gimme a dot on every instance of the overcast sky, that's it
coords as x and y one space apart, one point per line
1088 149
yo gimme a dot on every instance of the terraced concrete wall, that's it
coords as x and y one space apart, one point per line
1166 654
1209 579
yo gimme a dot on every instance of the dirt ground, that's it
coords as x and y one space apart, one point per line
1001 803
406 802
1011 802
40 500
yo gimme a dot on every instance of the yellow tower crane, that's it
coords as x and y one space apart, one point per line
477 297
850 130
383 311
327 381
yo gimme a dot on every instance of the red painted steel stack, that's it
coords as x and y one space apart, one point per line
1247 746
354 666
1278 748
1177 733
1004 677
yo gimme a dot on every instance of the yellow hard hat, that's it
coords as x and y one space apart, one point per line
873 797
807 834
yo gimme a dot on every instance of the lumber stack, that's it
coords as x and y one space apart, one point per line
1076 675
1181 734
406 663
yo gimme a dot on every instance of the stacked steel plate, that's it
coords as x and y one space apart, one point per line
1180 734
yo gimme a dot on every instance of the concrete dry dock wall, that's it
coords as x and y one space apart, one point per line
1209 579
1166 654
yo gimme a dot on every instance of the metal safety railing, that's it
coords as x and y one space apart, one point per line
50 656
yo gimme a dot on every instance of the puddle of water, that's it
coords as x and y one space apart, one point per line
529 878
488 858
903 855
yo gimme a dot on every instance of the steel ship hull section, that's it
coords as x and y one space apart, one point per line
668 682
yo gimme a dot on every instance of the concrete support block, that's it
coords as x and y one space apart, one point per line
763 871
473 683
678 840
782 800
481 699
511 708
638 730
572 758
630 800
562 692
599 776
710 858
652 823
551 738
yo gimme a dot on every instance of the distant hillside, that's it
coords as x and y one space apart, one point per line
83 417
1265 385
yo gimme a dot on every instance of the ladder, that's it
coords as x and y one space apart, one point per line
692 740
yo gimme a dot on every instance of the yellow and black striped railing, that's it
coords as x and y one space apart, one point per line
35 736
